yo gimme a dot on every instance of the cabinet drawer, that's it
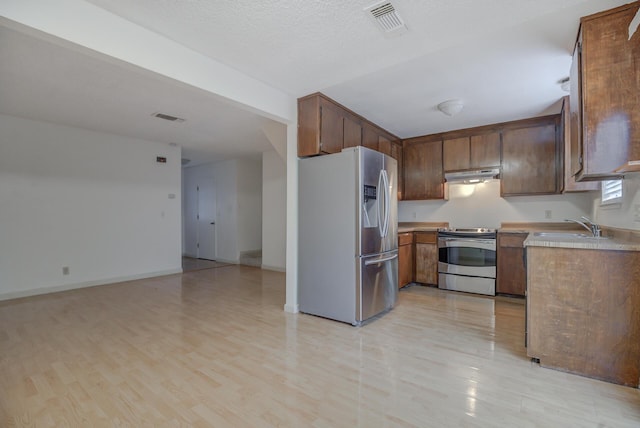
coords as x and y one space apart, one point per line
405 238
512 241
426 237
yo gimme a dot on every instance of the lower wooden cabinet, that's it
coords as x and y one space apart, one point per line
405 259
426 257
511 276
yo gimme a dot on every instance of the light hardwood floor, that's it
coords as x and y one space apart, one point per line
215 348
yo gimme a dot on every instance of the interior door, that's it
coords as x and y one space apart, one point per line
206 221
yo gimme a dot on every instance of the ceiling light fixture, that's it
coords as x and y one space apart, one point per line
451 107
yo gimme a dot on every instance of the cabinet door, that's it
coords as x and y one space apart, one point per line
485 150
405 259
369 136
352 132
570 184
610 84
423 177
455 154
331 128
511 275
427 263
530 161
396 153
384 145
575 109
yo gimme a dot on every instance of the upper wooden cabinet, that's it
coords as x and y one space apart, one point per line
605 95
325 126
471 152
570 183
485 150
531 158
423 175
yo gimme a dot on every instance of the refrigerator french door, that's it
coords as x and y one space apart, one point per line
347 219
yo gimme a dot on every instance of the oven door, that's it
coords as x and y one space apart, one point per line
467 256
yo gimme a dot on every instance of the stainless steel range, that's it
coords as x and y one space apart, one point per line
467 260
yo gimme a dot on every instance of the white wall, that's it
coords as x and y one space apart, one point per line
97 203
274 211
249 190
625 215
481 205
225 179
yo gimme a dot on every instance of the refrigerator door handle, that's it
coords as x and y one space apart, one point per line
381 195
387 203
382 260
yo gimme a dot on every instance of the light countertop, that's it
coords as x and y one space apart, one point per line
583 243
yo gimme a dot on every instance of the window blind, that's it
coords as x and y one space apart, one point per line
611 191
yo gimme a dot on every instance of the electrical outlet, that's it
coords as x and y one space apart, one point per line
65 270
413 215
547 214
636 215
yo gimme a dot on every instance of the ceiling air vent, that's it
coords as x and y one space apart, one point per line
387 18
168 117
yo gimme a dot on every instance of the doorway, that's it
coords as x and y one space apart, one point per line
200 219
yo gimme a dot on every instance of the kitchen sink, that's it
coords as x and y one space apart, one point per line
567 235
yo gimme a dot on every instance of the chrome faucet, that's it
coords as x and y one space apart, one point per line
591 227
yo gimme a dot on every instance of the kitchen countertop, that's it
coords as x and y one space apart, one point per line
405 227
583 243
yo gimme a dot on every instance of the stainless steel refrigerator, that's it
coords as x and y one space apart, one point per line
348 235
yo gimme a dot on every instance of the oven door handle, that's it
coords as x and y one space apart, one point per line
477 241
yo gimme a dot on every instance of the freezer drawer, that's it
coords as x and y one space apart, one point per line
378 285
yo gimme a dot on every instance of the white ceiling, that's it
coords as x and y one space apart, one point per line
503 58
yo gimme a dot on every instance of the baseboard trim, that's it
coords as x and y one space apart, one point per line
292 309
273 268
85 284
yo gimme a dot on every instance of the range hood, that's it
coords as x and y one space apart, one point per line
470 177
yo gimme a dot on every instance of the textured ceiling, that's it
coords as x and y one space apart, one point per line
503 58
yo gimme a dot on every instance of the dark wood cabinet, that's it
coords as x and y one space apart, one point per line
324 127
531 161
426 257
397 154
423 175
352 135
582 312
456 154
511 275
370 136
485 150
605 96
405 259
570 183
471 152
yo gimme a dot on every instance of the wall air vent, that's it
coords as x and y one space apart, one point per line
168 117
386 17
